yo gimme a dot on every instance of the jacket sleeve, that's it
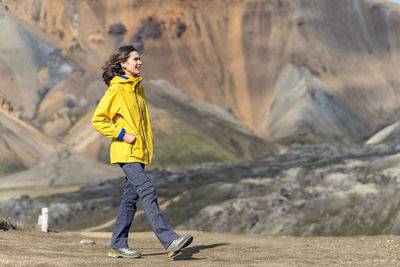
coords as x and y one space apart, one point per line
106 110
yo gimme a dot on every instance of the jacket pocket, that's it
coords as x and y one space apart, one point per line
137 148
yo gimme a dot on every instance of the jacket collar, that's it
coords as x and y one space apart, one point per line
125 79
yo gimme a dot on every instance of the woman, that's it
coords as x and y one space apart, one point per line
124 103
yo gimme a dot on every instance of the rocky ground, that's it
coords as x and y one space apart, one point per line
29 247
310 190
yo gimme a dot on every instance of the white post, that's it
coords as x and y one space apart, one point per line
45 219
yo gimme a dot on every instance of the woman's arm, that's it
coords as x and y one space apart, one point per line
106 110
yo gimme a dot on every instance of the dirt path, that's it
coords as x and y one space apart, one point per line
32 248
32 191
111 222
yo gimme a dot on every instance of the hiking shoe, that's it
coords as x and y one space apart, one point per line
177 245
123 253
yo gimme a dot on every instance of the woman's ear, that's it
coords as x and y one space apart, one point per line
122 65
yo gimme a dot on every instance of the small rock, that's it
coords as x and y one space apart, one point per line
87 241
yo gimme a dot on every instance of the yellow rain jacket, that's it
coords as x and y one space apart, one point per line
124 103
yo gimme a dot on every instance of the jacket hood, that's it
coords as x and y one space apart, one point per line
125 79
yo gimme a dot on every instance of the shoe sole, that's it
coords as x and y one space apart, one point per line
179 249
113 255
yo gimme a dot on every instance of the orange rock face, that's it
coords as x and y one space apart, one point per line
334 66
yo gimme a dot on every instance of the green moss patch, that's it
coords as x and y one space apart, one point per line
6 225
9 166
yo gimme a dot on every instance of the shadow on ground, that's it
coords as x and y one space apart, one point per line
187 253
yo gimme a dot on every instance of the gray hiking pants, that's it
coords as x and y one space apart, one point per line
138 186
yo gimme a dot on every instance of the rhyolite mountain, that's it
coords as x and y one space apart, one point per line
223 78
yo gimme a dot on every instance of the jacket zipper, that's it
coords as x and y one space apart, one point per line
140 119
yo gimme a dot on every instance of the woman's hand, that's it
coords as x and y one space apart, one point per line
129 138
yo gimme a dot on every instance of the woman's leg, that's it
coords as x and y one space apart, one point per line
125 216
145 189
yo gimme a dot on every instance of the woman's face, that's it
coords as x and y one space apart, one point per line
132 65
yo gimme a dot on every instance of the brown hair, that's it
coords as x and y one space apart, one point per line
112 67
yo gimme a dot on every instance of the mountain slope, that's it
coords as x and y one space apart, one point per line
21 144
271 70
235 59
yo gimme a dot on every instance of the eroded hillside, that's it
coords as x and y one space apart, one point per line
259 71
324 55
